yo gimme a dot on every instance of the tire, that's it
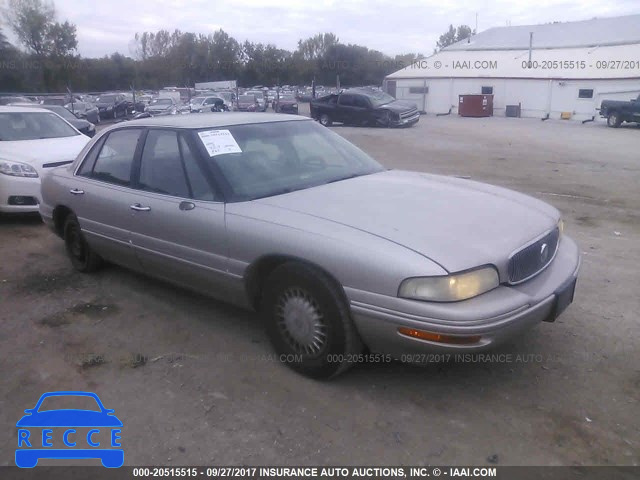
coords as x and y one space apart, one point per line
321 345
613 120
82 257
325 120
387 120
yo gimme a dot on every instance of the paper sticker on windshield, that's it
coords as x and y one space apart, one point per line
219 142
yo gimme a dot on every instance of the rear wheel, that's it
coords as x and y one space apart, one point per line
325 120
82 257
613 120
308 321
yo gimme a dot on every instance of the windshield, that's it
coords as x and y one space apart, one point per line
380 98
16 126
66 402
246 98
161 101
257 94
197 100
107 99
288 97
282 157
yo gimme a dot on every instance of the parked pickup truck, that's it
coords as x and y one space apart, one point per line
361 106
616 111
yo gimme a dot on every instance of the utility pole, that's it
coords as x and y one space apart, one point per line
530 45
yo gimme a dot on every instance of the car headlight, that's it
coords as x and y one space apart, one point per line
91 128
109 108
561 226
450 288
17 169
295 105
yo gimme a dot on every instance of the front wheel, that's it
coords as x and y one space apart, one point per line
308 321
388 120
613 120
325 120
82 256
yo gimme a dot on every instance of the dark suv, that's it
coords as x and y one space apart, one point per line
363 106
112 105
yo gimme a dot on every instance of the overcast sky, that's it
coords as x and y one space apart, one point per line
397 26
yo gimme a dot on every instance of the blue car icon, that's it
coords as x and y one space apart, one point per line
31 448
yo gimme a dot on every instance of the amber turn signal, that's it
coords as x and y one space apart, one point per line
438 337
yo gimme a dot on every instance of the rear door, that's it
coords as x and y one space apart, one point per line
344 112
362 112
179 229
101 194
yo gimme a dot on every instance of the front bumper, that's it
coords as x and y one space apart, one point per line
405 122
495 316
18 187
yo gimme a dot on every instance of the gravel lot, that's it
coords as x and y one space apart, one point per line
193 381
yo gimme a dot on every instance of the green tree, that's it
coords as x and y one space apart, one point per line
453 35
33 22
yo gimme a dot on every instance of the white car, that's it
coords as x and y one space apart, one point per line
32 140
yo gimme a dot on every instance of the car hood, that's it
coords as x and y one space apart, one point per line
399 106
61 418
46 150
79 123
457 223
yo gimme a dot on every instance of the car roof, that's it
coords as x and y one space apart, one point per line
22 109
207 120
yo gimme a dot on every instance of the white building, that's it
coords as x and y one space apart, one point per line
570 67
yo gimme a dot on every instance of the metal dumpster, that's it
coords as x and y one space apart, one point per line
475 105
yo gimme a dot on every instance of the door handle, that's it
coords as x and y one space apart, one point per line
139 208
76 191
187 206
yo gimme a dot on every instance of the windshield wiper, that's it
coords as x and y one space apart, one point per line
353 175
282 191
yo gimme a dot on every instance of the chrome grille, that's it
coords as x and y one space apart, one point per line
533 258
409 113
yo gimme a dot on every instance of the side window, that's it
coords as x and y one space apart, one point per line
200 188
346 100
114 162
89 160
161 167
360 101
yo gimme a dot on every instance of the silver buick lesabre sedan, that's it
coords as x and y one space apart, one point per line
339 255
